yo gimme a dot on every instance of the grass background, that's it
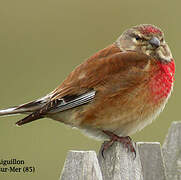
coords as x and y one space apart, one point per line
41 41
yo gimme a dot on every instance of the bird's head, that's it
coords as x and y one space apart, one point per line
147 39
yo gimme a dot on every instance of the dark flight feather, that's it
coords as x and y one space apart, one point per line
59 105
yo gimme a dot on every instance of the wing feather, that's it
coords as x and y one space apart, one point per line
107 73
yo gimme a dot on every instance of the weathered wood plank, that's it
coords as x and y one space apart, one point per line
81 165
119 164
172 152
151 161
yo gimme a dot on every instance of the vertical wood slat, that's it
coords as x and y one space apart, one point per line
81 165
172 152
151 160
119 164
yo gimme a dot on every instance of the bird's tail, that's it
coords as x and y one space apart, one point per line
27 108
13 111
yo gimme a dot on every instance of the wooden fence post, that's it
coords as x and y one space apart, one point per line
172 152
81 165
118 164
151 161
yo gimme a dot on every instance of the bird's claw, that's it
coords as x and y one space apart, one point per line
126 141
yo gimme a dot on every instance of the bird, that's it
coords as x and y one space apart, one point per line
114 93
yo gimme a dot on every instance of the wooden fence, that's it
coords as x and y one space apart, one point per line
152 161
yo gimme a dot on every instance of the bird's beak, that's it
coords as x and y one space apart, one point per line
155 42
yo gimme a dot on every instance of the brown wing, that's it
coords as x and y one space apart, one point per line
102 70
107 72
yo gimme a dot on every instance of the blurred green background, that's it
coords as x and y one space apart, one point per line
41 41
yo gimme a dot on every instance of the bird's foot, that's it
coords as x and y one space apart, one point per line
126 141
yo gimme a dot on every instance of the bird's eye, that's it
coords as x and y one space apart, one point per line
138 38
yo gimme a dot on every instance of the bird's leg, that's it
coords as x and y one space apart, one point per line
126 141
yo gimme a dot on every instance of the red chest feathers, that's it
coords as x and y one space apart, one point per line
162 81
